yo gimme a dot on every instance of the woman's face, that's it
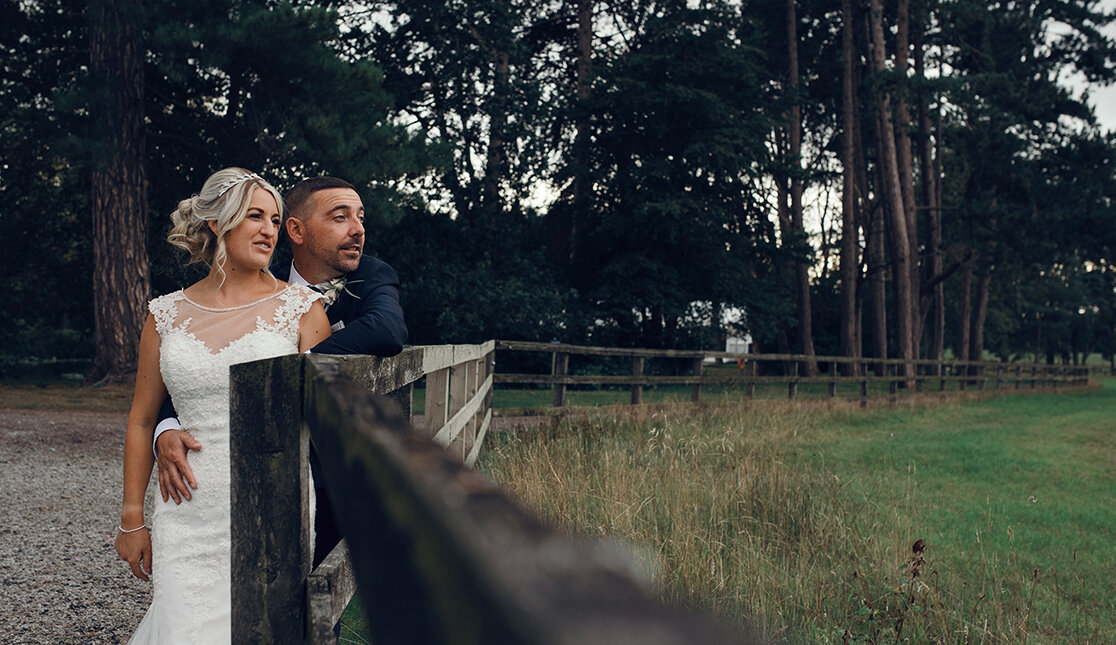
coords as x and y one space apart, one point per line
251 244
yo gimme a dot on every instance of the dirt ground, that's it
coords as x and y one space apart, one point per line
60 485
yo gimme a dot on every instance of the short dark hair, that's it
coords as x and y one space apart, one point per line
298 196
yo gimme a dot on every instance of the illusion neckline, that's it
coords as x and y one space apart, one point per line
238 307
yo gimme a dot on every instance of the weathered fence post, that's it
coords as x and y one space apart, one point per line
271 547
637 372
437 399
750 388
833 379
697 367
864 386
561 368
792 385
458 395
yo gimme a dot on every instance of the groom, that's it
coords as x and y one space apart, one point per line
325 223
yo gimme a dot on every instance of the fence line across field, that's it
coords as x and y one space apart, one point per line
900 375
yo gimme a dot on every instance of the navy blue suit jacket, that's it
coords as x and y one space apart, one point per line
371 313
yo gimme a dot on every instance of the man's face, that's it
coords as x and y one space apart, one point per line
333 234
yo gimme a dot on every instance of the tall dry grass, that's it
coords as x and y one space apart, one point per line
733 510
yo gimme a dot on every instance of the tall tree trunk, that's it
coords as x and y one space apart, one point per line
964 310
121 282
794 127
581 178
850 260
936 240
928 164
980 314
892 198
497 161
877 282
567 218
905 165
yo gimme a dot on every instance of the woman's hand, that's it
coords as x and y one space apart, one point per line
135 549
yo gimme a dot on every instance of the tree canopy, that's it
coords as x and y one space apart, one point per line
910 178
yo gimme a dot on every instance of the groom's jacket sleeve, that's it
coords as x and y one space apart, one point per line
374 319
166 411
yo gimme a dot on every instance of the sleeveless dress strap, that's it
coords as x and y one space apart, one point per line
165 309
296 301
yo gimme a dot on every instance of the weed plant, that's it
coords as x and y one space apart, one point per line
961 521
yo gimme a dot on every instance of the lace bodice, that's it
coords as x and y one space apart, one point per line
200 343
191 542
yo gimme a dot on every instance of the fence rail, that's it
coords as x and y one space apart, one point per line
272 544
789 369
439 553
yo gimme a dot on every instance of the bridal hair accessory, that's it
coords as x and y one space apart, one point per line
224 187
124 530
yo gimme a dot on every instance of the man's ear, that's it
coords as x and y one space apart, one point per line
295 230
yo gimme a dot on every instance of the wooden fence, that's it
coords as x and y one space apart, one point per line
440 554
272 546
897 376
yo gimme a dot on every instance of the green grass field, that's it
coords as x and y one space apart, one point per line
801 518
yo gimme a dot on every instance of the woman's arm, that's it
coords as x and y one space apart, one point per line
135 546
313 327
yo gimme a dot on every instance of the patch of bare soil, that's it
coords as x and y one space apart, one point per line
60 578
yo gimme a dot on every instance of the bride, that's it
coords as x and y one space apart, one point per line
237 313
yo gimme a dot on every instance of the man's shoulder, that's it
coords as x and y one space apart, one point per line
370 266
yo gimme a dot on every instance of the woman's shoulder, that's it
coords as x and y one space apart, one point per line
160 303
298 290
164 308
299 296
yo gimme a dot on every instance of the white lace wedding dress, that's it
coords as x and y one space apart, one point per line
191 542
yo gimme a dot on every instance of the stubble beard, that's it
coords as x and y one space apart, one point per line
336 260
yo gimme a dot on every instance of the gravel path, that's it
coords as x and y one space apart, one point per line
60 483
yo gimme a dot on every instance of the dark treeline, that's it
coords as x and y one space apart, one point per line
855 177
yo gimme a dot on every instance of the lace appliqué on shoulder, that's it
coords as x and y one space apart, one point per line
297 300
165 308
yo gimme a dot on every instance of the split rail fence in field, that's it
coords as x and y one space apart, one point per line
836 375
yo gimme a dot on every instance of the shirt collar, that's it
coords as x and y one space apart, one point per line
296 277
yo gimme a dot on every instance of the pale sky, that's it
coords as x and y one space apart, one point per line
1104 98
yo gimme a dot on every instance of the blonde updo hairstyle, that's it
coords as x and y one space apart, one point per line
223 199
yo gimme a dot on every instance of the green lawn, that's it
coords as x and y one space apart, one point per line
800 518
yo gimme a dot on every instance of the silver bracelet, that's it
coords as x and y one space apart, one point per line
124 530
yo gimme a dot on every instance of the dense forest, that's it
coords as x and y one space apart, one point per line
852 177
